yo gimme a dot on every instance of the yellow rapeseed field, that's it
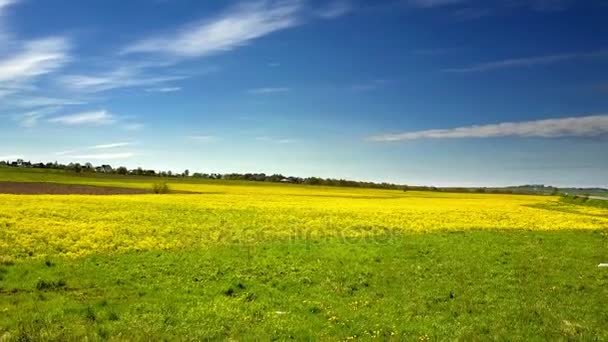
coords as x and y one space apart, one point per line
76 225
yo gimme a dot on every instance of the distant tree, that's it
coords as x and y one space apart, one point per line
121 170
186 173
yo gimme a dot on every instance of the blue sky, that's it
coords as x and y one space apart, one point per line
434 92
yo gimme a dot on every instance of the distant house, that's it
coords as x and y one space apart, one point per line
104 169
286 180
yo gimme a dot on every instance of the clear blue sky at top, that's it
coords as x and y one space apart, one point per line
436 92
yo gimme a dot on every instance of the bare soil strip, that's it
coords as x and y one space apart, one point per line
22 188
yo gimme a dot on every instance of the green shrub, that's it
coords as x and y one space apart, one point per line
160 188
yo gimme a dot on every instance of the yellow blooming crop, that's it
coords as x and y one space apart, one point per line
78 225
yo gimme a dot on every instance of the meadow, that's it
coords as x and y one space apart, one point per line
240 260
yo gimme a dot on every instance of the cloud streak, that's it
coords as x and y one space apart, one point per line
103 156
202 138
268 90
335 9
276 140
586 126
236 27
164 90
96 118
526 62
122 77
38 57
109 146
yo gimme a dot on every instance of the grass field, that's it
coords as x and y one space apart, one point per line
243 260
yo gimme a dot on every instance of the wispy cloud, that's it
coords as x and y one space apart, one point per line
526 62
103 156
100 117
36 101
132 126
237 27
202 138
121 77
31 118
268 90
63 153
586 126
4 4
335 9
82 153
164 90
38 57
275 140
109 146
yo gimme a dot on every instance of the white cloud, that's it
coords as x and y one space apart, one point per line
3 5
133 126
164 90
103 156
276 140
335 9
108 146
526 62
63 153
202 138
38 57
586 126
31 118
122 77
237 27
268 90
35 101
101 117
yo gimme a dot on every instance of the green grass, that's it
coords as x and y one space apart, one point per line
584 200
13 174
514 285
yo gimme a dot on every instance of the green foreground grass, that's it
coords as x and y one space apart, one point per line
515 285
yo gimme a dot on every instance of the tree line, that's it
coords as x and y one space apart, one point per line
255 177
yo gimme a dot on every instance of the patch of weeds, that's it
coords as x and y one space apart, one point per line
49 263
89 314
251 297
315 310
50 285
103 333
234 290
160 188
113 316
6 261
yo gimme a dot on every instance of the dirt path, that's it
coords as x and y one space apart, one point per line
22 188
